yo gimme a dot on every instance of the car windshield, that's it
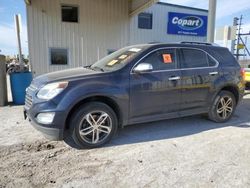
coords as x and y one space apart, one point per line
118 59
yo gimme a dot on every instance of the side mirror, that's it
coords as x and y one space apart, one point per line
143 67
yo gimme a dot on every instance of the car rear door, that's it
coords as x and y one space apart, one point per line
199 71
156 94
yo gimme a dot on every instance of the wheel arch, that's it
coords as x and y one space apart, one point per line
103 99
234 90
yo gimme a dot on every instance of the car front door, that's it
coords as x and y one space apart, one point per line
155 94
199 71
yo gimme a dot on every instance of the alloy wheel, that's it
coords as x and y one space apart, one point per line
95 127
225 107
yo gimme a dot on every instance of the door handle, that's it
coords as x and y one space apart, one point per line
213 73
174 78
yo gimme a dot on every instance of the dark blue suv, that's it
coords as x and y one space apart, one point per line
136 84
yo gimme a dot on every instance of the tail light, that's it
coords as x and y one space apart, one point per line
243 73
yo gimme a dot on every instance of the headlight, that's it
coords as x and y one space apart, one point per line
49 91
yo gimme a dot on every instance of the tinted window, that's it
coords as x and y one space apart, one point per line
224 56
162 59
145 21
69 13
193 58
211 61
58 56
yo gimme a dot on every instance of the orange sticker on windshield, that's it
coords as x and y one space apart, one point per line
167 58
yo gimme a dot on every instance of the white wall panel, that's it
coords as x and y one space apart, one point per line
159 31
103 25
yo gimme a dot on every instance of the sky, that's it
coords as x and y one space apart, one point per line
8 39
226 11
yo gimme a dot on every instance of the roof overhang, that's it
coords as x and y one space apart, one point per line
137 6
28 2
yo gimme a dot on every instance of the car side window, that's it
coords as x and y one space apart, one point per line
211 61
162 59
192 58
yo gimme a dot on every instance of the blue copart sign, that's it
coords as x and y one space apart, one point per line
187 24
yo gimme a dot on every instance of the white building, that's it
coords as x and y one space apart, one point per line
71 33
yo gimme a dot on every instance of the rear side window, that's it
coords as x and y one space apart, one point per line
225 57
162 59
192 58
211 61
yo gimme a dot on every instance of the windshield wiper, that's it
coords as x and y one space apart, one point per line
99 68
94 68
87 67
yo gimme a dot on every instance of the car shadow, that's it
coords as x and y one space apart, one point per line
175 128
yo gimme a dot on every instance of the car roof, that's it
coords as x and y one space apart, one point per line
198 45
186 44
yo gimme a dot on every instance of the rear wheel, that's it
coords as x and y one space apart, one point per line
223 107
93 125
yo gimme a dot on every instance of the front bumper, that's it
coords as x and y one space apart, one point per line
34 106
53 131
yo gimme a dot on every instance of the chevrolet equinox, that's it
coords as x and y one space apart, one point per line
137 84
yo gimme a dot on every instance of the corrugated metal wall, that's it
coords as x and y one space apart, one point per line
159 31
103 25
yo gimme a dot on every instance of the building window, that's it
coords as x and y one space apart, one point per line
69 13
145 21
58 56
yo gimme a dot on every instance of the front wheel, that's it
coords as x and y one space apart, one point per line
223 107
93 125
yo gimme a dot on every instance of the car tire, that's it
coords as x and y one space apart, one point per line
223 107
93 125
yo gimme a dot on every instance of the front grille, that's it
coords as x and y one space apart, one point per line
28 101
32 88
28 98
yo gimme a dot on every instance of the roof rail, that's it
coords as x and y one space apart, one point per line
198 43
155 42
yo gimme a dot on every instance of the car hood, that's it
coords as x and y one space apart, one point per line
68 74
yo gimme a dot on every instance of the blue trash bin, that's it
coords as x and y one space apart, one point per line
19 82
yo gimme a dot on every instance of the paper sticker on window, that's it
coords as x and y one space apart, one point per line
134 49
113 62
167 58
123 56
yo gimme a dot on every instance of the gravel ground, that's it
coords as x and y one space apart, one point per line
186 152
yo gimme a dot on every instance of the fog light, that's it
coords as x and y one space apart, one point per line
45 118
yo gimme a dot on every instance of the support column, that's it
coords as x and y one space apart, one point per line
211 20
3 84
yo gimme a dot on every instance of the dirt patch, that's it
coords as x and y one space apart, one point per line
191 152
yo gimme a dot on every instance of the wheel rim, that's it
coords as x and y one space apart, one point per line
225 107
95 127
